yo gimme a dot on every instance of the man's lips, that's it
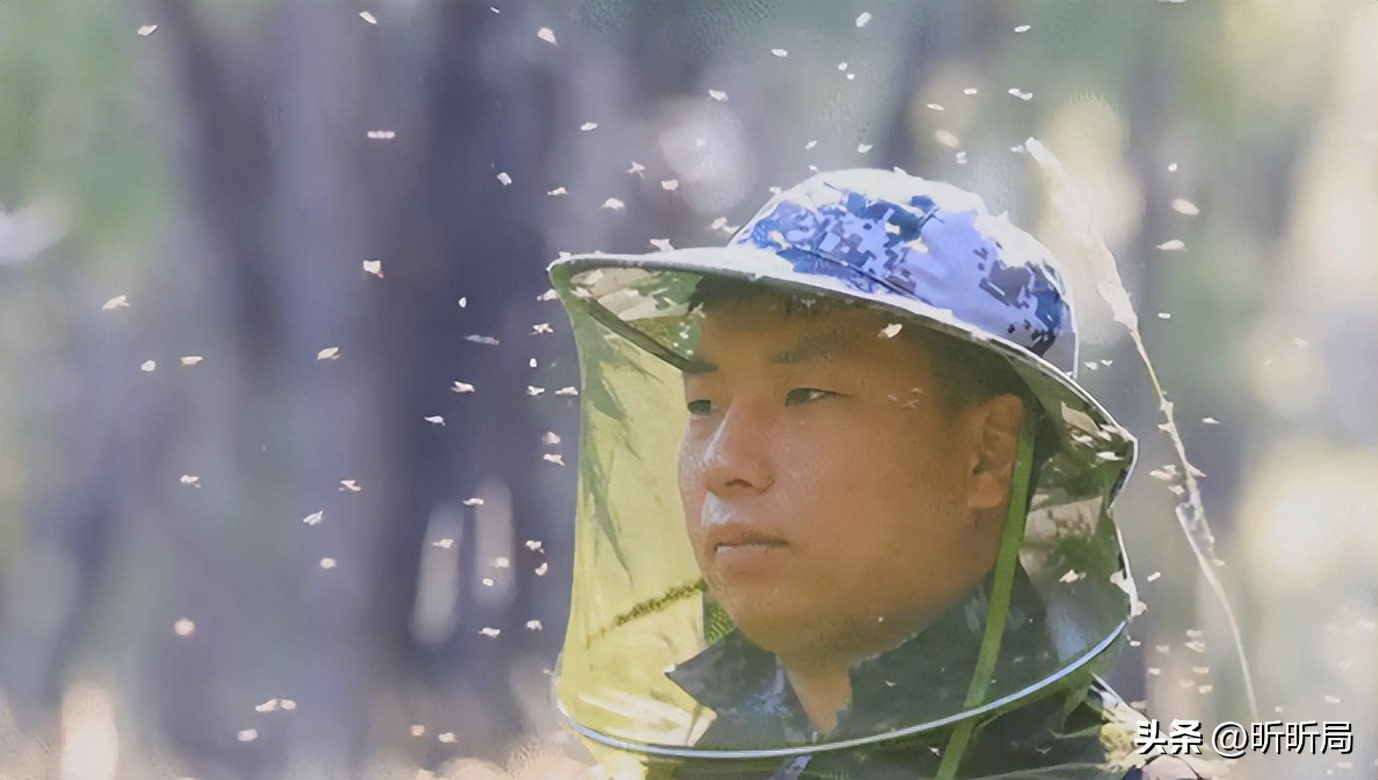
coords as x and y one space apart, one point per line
749 545
728 528
734 535
747 553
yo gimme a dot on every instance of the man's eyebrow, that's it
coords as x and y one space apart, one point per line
808 348
697 367
826 345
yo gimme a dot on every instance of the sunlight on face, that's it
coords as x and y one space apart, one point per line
824 482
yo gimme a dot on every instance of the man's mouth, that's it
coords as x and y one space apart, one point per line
729 530
744 540
749 555
750 540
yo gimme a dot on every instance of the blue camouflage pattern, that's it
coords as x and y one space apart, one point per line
919 249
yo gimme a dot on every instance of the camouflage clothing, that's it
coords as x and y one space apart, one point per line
1070 733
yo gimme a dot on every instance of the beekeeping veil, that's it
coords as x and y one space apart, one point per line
925 254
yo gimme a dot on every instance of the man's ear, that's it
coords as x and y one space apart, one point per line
994 428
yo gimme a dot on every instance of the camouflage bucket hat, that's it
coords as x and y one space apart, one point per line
925 254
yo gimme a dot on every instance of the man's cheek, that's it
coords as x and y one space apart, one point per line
690 476
692 502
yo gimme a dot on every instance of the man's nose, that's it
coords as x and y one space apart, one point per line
737 458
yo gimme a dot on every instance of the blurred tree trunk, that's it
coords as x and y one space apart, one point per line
281 166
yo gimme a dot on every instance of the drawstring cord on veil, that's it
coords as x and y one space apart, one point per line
1006 562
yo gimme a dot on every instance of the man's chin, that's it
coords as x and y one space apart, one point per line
804 631
777 627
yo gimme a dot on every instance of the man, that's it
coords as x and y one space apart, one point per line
896 500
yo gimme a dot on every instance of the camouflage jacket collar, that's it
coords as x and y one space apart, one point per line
924 678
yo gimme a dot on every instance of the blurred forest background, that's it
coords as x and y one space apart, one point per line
248 249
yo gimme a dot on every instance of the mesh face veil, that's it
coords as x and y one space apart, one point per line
652 662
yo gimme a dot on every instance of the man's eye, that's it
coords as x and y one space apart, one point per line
699 407
800 395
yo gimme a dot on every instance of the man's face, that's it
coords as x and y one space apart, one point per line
825 484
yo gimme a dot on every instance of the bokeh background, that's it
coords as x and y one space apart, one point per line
247 249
